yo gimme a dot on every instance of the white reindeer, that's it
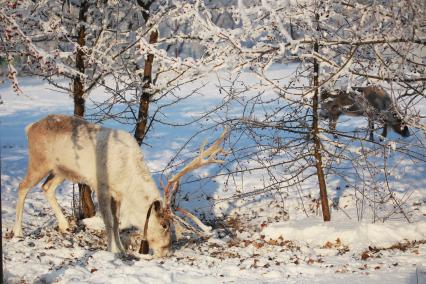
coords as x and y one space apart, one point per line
109 161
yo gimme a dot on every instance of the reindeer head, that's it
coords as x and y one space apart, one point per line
157 231
398 124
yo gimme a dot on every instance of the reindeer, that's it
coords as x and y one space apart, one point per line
373 102
109 161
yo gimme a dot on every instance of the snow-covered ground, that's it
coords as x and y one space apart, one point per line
255 244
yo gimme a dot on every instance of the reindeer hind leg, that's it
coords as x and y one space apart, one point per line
332 124
49 186
33 177
104 199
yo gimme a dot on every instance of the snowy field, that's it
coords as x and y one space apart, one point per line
254 244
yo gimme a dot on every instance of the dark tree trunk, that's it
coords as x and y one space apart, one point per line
317 143
86 206
78 90
142 121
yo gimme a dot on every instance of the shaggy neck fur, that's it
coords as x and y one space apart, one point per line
141 193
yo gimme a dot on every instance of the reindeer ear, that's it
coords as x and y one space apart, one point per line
157 206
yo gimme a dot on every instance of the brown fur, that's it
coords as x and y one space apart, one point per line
59 124
373 102
41 132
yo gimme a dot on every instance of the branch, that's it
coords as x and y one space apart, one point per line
394 79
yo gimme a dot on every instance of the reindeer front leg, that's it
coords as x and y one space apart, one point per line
105 206
371 129
115 208
385 130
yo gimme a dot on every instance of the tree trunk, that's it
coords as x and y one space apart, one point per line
317 143
86 206
142 121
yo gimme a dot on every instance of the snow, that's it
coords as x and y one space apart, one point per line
261 248
356 235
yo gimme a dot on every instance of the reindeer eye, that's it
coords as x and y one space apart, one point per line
165 226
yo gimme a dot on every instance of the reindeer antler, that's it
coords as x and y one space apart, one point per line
206 157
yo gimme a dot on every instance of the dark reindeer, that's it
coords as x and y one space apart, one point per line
372 102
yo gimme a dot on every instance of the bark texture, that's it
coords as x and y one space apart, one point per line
317 143
142 122
86 205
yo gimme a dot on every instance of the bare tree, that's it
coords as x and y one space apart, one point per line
142 120
331 45
336 45
86 206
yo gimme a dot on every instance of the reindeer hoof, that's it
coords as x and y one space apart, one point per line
116 250
63 228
